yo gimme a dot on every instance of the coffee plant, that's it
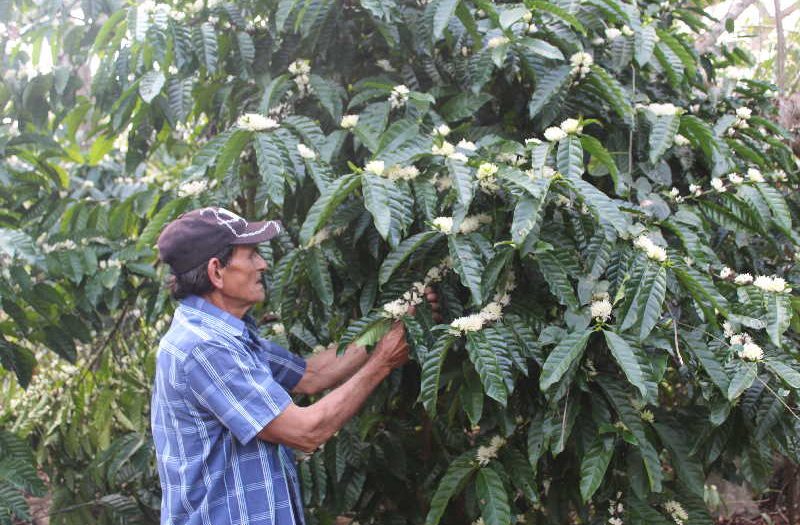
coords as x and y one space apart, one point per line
608 223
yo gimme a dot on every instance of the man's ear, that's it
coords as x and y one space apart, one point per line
214 270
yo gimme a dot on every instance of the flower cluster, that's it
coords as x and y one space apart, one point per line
675 193
306 152
468 225
570 126
109 264
676 512
397 172
497 41
742 116
447 149
581 64
772 284
300 69
192 188
278 329
663 110
399 307
349 121
601 308
653 251
680 140
718 185
399 96
63 245
616 509
442 130
750 350
488 452
647 416
486 177
256 122
488 314
754 175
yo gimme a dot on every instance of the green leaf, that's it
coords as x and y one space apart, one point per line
780 210
208 46
468 264
548 87
440 11
230 152
403 251
17 359
690 469
150 85
601 205
652 300
742 380
711 364
662 134
432 363
562 356
271 166
594 465
492 497
627 360
320 276
555 274
558 12
612 92
328 95
377 193
779 315
327 203
464 181
453 481
645 40
570 157
596 149
488 366
785 372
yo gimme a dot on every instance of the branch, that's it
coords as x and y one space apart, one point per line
780 59
707 40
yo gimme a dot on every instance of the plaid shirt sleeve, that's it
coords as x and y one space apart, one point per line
287 368
241 393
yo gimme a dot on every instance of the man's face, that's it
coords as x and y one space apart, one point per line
242 282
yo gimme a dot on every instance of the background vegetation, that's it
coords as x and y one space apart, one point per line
591 195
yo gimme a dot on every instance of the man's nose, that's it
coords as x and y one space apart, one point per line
261 264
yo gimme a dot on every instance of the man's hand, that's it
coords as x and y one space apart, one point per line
392 349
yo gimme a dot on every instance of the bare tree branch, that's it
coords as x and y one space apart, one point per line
780 59
707 40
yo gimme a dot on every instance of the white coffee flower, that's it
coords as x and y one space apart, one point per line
466 145
385 65
278 329
613 33
717 184
725 273
446 149
754 175
598 41
401 173
680 140
349 121
770 284
443 130
486 170
192 188
581 64
443 182
374 166
695 189
674 193
256 122
751 352
527 16
727 329
399 96
396 309
744 113
300 67
306 152
661 110
497 41
554 134
492 311
443 224
469 323
627 31
571 126
647 415
653 251
601 310
739 339
743 278
735 179
676 511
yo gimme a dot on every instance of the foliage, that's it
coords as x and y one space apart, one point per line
585 264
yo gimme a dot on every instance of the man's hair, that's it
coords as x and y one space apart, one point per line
196 281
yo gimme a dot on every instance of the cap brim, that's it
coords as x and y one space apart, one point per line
258 232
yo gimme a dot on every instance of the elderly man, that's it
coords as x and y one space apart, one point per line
223 421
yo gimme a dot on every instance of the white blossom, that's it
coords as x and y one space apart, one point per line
486 176
581 63
443 130
446 149
256 122
695 189
374 166
725 273
571 126
601 310
466 145
458 156
744 113
612 33
735 179
300 67
653 251
497 41
469 323
278 329
192 188
396 308
554 134
743 278
385 65
443 224
598 41
647 415
739 339
349 121
627 31
401 173
751 352
443 182
717 184
666 109
727 329
754 175
680 140
306 152
676 511
770 284
399 96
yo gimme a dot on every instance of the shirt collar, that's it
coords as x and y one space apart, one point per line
216 317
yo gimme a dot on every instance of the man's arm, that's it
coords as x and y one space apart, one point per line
326 369
306 428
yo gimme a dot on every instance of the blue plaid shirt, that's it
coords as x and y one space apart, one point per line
217 385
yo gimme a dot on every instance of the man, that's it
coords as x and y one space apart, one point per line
223 421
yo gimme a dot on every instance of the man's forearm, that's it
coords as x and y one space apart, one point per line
326 369
307 428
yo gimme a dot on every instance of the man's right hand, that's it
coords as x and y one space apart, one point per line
392 349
